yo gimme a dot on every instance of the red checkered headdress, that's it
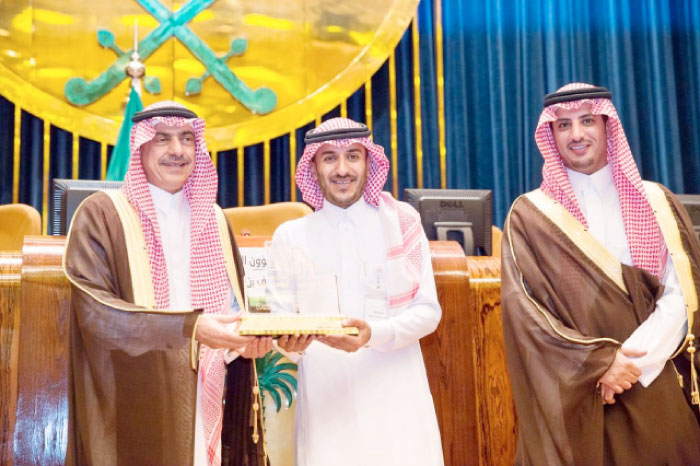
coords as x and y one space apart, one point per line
352 132
209 282
646 244
400 221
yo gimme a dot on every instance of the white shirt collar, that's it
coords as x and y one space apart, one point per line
166 202
601 181
353 214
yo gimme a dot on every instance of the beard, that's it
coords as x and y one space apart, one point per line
339 198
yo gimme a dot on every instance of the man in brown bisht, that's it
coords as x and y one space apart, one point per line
601 272
156 285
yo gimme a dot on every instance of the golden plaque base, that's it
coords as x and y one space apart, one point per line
294 324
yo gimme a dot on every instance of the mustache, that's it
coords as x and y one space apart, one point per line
175 159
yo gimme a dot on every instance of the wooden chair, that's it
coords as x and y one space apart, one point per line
263 220
496 237
17 221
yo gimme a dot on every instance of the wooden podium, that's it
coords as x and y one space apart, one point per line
465 360
36 309
464 357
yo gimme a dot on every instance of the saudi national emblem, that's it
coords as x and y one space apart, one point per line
253 70
260 101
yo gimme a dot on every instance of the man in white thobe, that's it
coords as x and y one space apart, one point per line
364 399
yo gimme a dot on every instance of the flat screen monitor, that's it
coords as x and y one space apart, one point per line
462 215
67 196
691 202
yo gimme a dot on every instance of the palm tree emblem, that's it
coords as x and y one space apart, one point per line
274 378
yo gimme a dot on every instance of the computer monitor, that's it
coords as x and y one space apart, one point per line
67 196
462 215
691 202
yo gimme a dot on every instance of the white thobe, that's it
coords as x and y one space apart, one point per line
664 329
371 407
173 212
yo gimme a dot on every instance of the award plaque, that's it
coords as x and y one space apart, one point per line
294 324
288 296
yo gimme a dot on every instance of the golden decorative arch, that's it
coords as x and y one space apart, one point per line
312 54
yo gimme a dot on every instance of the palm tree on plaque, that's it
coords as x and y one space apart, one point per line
275 379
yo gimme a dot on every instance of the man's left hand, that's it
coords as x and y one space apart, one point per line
621 375
257 348
349 343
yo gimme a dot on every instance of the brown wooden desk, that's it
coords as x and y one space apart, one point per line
465 360
10 279
464 357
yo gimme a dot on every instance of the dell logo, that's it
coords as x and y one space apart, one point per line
451 205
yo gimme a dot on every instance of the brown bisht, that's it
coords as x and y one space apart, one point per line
565 315
133 393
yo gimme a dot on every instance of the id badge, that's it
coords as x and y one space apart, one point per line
374 278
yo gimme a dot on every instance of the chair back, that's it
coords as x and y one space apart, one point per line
16 222
496 237
263 220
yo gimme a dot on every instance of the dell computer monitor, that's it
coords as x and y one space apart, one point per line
462 215
691 202
67 196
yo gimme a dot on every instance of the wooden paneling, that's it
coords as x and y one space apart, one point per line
41 430
497 424
448 357
465 360
464 357
10 275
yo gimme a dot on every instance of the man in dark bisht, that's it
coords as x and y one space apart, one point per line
156 289
600 292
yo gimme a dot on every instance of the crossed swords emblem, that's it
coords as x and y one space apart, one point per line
80 92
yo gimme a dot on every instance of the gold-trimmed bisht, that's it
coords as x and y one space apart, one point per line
144 294
545 314
610 266
672 237
227 248
139 268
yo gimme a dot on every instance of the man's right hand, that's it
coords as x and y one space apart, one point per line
620 375
216 331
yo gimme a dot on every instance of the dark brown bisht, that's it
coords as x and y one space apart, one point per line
563 319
